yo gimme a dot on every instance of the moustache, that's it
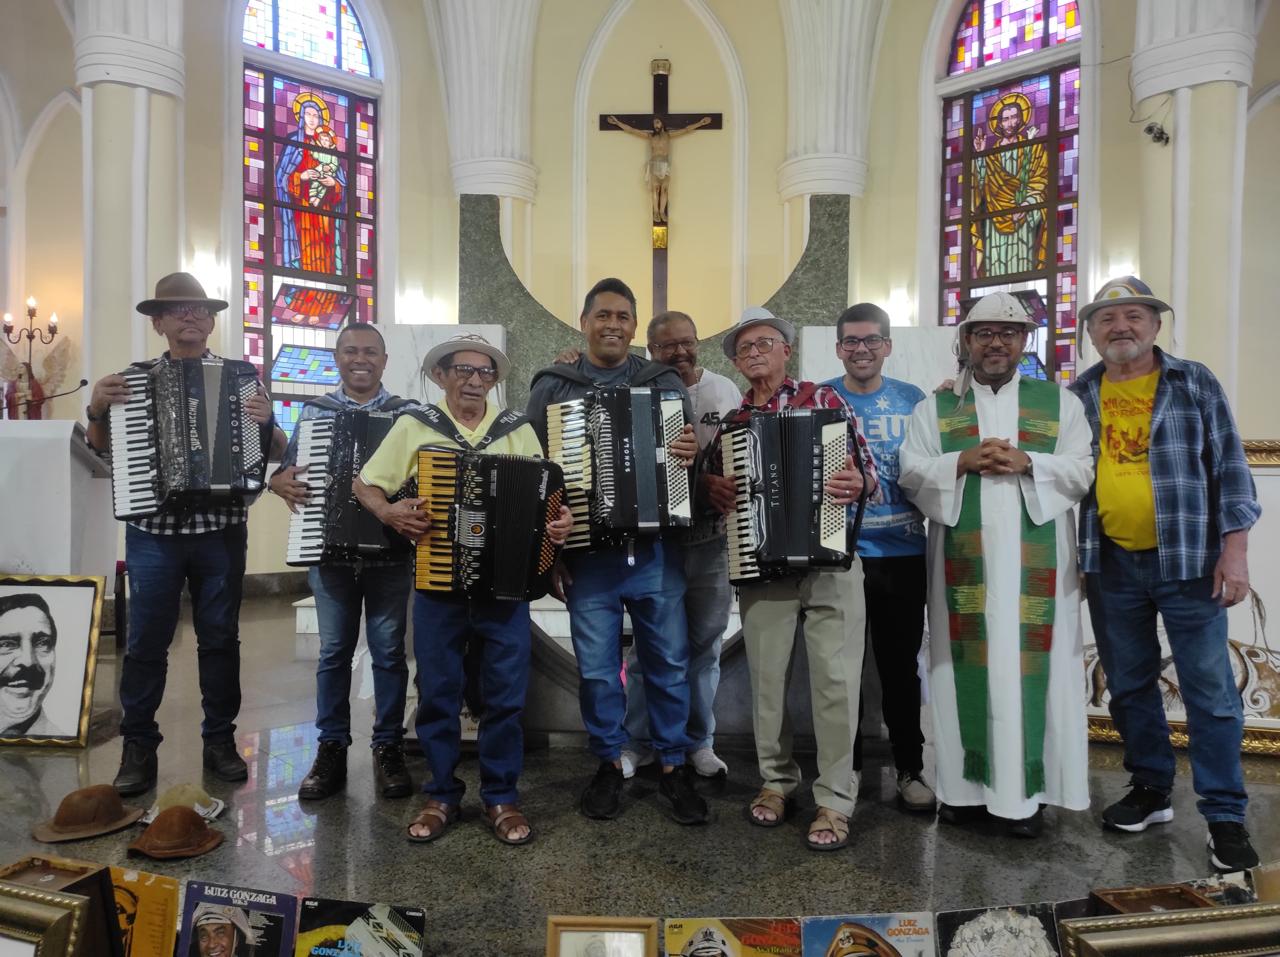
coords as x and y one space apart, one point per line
33 676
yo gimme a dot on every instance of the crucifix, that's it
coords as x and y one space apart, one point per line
659 128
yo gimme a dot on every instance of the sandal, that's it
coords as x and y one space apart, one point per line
435 816
773 801
505 818
829 820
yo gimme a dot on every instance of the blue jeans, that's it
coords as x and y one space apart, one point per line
707 598
652 592
441 627
340 591
1123 601
212 567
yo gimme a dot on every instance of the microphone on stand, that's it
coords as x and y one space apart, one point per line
56 395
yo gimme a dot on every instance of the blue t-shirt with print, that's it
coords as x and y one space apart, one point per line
894 528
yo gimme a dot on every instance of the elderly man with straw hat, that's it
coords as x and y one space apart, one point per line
996 465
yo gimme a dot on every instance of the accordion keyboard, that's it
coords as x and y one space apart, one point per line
306 526
567 446
437 479
742 526
133 453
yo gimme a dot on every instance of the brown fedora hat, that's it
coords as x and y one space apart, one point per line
179 289
87 812
176 832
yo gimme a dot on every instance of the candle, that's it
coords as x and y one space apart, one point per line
53 322
8 322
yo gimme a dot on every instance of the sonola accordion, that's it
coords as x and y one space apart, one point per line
782 521
489 516
333 526
184 437
619 479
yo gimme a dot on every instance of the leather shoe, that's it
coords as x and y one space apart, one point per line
137 769
393 776
962 813
328 773
1028 826
602 798
222 758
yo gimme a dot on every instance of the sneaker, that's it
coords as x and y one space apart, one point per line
328 773
222 758
707 763
137 772
633 758
687 806
1229 847
388 768
1137 810
913 793
602 799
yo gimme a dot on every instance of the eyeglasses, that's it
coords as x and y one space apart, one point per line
181 312
1008 336
851 343
688 345
763 346
465 372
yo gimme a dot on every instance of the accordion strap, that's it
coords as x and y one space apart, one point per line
434 418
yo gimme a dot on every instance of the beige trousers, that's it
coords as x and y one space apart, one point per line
834 637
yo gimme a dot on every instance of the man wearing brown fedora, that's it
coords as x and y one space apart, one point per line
202 548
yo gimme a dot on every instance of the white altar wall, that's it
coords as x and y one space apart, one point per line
408 345
921 355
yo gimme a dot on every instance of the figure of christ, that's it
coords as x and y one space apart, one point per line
1007 238
309 239
658 170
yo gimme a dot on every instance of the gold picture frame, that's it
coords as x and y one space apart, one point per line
1264 453
57 712
606 936
52 923
1245 930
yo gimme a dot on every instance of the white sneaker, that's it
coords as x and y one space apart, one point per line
707 763
635 759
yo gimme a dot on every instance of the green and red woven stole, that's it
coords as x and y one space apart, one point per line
965 573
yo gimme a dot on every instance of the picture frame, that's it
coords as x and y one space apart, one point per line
602 936
41 923
1243 930
67 875
49 628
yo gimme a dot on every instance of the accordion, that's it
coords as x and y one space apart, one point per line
489 517
619 480
184 438
333 526
779 463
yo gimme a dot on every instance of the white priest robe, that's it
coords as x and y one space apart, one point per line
1056 483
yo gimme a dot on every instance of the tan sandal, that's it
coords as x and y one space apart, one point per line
775 802
505 818
435 816
828 820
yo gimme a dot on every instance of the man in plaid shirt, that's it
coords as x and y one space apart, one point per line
830 601
1166 529
201 548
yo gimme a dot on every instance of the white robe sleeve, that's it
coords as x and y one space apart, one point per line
1061 478
928 476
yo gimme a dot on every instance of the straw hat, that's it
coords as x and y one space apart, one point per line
468 343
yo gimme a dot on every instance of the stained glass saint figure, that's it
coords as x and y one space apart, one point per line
1007 237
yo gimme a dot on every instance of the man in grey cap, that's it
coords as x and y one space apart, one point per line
1166 529
829 600
996 466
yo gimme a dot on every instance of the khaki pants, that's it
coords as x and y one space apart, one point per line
834 626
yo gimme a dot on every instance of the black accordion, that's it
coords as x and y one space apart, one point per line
333 525
489 517
782 521
619 480
184 437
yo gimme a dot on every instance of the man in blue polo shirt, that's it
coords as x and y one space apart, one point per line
892 544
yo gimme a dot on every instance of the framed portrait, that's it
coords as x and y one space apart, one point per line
41 923
602 937
1243 930
48 657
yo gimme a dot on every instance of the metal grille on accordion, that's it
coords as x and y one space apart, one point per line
489 515
619 479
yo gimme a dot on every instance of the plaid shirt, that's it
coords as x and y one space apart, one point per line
1202 484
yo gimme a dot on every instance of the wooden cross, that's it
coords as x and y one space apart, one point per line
660 127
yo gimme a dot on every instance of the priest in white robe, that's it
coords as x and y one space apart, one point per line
1006 659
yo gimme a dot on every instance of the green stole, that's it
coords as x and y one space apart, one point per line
967 592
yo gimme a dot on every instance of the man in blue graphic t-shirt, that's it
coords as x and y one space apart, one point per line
892 544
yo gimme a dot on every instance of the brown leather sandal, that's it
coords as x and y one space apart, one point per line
505 818
828 820
773 801
435 816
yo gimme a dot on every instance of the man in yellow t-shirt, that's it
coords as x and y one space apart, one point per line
1126 502
467 368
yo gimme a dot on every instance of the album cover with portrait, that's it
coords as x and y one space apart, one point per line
226 921
885 935
734 936
147 909
1022 930
327 928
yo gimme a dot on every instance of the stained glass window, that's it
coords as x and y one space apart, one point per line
324 32
993 31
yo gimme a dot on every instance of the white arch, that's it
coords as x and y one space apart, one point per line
1263 98
738 102
9 135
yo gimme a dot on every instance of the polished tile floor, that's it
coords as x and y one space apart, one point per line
483 898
